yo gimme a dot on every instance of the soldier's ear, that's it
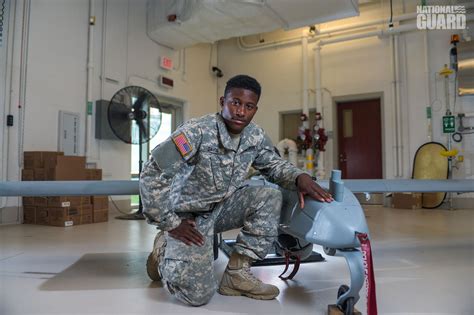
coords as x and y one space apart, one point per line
221 101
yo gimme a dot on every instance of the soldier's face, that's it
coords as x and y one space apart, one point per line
238 108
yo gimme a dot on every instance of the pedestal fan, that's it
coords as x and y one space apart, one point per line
134 115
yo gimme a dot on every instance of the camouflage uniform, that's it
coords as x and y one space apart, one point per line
205 181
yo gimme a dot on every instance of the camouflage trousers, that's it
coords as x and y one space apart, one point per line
187 271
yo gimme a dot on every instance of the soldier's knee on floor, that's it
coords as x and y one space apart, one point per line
202 298
191 296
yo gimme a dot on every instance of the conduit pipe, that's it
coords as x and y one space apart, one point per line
398 127
290 145
8 93
428 85
320 171
90 76
323 34
304 45
23 74
394 97
102 49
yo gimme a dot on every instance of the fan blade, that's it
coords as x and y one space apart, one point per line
119 111
138 103
119 120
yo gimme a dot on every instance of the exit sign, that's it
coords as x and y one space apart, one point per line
166 63
448 124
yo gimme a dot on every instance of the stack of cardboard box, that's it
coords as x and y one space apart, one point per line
100 204
60 210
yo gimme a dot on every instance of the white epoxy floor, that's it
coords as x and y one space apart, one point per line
424 264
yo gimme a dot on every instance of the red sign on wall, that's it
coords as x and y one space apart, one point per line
166 63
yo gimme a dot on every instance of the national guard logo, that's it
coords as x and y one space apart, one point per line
182 143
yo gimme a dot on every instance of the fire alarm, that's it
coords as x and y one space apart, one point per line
166 82
166 63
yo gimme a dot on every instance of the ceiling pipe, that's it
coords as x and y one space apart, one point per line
321 34
334 31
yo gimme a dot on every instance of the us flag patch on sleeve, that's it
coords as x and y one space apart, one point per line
182 143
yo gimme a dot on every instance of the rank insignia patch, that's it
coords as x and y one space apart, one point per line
183 145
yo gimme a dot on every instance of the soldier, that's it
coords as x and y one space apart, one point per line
193 187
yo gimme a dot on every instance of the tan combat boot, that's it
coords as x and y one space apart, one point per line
238 280
153 261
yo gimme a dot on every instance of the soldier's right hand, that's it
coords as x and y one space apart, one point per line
187 233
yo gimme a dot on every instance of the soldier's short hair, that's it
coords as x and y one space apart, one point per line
243 81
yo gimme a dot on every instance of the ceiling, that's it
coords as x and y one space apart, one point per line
182 23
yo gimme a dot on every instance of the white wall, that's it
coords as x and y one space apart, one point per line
57 74
358 67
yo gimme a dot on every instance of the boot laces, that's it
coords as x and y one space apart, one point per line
249 275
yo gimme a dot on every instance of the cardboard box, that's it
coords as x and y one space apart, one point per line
64 216
67 168
39 174
67 221
100 202
86 219
50 159
27 174
86 200
39 159
64 201
32 159
41 201
62 212
406 200
100 216
86 210
29 215
28 201
42 216
93 174
65 173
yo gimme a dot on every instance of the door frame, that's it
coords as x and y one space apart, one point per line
354 98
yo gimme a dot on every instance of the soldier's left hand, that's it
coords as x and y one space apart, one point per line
307 186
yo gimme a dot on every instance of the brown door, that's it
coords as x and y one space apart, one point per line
359 139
